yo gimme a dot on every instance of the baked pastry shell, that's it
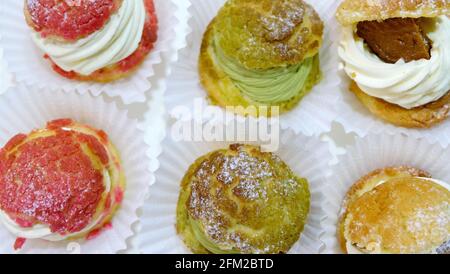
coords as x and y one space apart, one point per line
26 63
422 117
266 197
103 211
401 177
159 235
120 69
97 25
354 11
31 108
184 89
266 34
362 114
223 92
367 154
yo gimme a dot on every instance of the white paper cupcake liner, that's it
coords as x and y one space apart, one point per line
27 64
371 153
307 157
23 109
356 118
315 112
5 77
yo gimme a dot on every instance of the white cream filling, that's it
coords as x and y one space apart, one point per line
40 231
352 249
117 40
408 85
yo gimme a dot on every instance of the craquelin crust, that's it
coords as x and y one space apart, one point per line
28 19
387 215
223 92
245 200
263 34
425 116
113 167
115 72
354 11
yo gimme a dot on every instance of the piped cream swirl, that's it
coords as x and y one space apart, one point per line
408 85
117 40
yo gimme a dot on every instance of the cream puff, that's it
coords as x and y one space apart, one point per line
397 54
241 200
396 210
59 183
93 40
262 54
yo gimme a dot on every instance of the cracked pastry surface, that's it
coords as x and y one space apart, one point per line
241 200
354 11
101 40
61 182
395 210
261 53
69 21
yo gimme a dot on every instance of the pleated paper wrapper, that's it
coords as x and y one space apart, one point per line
374 152
315 112
307 157
23 109
28 66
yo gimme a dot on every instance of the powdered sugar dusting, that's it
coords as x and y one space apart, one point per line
403 216
229 188
264 34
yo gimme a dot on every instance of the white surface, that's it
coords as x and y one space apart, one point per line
155 118
5 76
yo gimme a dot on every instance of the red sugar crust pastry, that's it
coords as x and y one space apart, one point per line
69 20
59 177
125 67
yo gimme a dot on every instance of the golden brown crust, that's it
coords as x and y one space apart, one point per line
404 215
353 11
425 116
369 181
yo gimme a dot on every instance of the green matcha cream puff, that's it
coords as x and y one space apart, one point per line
261 53
241 200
